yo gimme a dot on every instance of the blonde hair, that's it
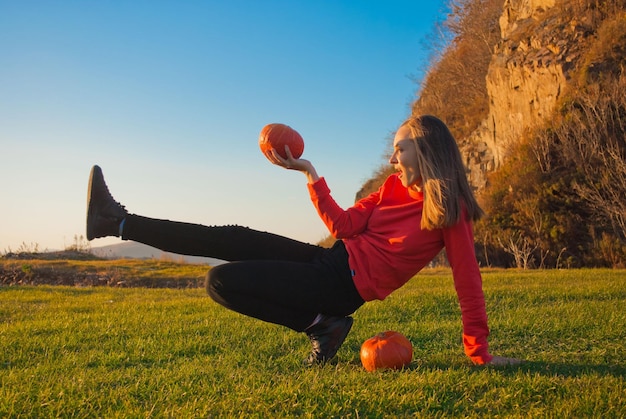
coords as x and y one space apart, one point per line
444 182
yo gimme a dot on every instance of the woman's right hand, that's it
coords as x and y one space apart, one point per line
503 361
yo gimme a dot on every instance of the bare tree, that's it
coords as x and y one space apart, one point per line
521 248
594 140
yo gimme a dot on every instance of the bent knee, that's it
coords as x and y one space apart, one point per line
219 282
212 282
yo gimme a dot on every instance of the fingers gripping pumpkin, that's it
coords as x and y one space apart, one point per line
386 350
276 136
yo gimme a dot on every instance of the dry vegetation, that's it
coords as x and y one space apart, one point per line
558 201
454 88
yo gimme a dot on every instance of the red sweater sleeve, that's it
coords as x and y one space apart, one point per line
459 244
341 223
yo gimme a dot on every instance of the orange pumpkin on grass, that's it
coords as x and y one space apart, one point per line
276 136
386 350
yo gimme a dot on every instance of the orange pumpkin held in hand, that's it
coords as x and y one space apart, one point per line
276 136
386 350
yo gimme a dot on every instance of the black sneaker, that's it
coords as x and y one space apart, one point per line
326 338
104 214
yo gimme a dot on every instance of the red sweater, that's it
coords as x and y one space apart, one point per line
387 247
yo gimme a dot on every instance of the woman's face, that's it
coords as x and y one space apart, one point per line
404 158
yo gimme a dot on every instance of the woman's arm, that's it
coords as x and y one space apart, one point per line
459 243
340 223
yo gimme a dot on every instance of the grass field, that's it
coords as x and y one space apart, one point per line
143 353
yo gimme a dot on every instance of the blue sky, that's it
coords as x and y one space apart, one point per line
169 97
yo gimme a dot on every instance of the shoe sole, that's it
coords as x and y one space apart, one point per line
95 171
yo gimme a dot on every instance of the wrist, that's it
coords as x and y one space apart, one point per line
312 177
311 174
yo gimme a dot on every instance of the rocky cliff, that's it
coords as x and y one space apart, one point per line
529 73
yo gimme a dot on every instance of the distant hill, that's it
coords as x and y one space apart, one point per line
133 250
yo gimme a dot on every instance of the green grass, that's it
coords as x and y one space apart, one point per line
137 352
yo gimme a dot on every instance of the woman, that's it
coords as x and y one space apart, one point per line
383 241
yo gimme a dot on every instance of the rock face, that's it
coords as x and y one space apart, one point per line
519 10
527 76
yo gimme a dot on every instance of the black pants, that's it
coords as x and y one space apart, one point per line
269 277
